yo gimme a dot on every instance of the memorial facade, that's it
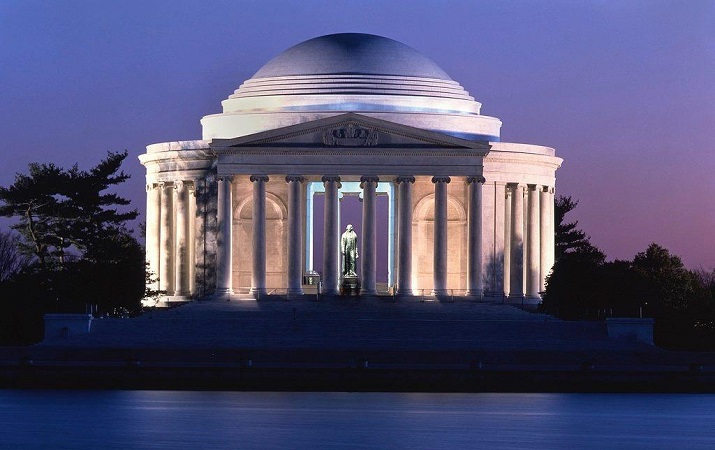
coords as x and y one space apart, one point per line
233 212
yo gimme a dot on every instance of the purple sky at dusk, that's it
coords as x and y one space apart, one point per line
624 90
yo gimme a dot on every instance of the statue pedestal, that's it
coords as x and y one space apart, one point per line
350 285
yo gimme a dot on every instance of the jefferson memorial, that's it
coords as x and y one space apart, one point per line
254 206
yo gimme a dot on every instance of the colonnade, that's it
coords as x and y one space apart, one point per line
331 233
529 244
170 236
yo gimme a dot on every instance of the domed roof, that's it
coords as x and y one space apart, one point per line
354 54
351 72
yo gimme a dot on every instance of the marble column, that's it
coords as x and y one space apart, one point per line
192 236
547 234
153 232
440 235
475 286
258 272
181 202
224 218
533 240
369 239
516 275
404 235
166 260
331 235
507 239
295 249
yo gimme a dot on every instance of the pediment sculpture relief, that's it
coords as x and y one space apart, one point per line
350 135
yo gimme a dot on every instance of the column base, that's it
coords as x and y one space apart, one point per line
475 293
295 291
526 302
498 298
222 294
165 301
532 300
257 292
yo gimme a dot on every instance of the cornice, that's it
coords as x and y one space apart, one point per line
323 125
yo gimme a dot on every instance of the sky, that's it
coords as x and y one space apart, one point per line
623 90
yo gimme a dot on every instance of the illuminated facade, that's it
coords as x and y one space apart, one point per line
350 113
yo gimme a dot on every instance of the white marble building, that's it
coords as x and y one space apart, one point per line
233 212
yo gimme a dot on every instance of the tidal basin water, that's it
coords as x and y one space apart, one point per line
33 419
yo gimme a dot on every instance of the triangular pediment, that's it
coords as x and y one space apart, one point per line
349 130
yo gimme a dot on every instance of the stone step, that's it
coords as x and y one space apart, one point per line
342 324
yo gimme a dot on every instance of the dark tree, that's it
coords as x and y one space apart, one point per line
77 232
573 289
670 283
568 238
63 212
12 261
582 285
573 286
37 200
702 308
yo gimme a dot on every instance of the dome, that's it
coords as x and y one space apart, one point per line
351 72
351 54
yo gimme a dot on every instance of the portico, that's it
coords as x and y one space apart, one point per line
333 165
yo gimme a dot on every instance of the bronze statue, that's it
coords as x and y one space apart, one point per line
349 251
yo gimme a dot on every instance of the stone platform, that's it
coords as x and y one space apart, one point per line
353 343
344 322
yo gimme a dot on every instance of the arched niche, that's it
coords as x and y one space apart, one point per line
276 252
423 244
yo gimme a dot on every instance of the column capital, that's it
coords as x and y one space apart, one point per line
368 179
295 178
164 184
179 185
405 179
332 179
228 178
194 186
476 179
255 178
441 179
547 189
150 186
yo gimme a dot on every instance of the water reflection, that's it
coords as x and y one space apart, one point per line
213 420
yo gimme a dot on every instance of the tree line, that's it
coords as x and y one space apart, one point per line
70 248
655 283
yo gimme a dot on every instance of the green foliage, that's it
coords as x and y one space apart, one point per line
582 285
568 238
669 282
61 212
76 232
